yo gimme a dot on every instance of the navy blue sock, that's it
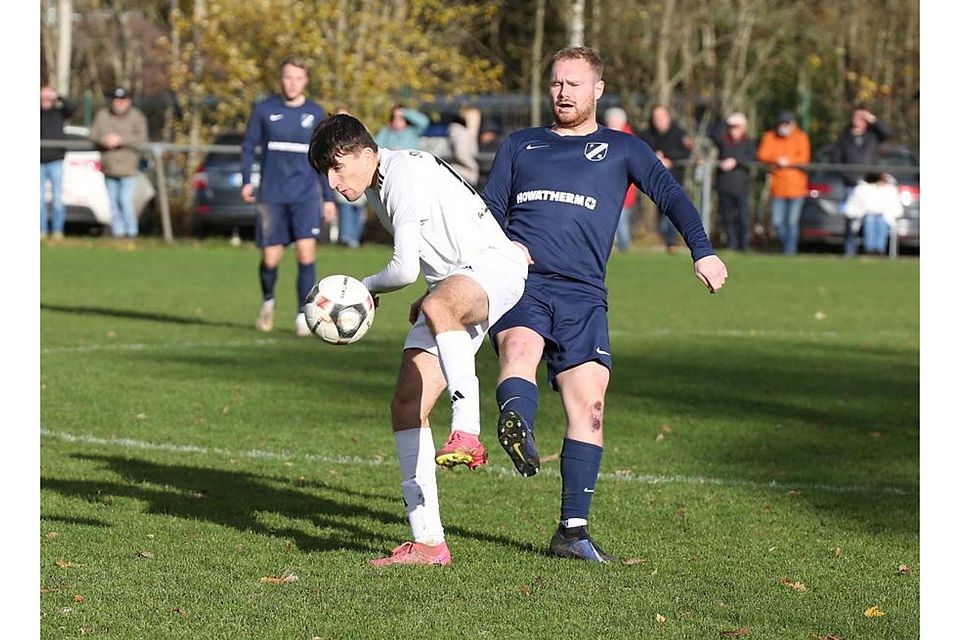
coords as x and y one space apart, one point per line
521 396
268 280
306 278
579 468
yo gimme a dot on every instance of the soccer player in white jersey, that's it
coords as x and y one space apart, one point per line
474 275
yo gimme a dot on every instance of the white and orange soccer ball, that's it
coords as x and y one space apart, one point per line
339 309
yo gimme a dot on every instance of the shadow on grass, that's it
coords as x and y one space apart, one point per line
135 315
243 501
832 415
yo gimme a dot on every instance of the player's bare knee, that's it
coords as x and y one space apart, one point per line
595 416
405 409
437 313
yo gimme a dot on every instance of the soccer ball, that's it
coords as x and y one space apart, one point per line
339 309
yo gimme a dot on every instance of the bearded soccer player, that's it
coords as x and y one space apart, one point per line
288 209
474 274
558 191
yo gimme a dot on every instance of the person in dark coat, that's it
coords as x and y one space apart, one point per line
671 144
860 143
736 151
54 112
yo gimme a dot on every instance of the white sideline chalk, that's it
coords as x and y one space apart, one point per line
257 454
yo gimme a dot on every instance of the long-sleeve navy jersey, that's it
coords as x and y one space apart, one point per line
561 196
283 134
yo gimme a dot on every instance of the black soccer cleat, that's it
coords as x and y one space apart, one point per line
576 543
517 440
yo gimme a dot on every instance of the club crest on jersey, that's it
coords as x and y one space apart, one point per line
596 151
306 120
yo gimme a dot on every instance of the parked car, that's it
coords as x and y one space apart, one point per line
823 225
85 191
217 205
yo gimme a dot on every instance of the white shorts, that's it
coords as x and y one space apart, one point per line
502 274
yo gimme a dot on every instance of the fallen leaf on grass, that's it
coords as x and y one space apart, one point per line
660 438
283 578
525 591
874 612
146 554
735 633
65 564
661 619
78 598
665 428
829 636
141 416
550 458
876 434
837 552
47 590
623 473
795 585
904 569
181 612
52 535
632 561
820 315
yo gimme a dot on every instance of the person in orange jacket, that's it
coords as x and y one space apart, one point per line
785 147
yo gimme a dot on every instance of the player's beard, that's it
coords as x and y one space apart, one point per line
571 118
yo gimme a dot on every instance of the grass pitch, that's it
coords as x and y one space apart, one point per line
202 480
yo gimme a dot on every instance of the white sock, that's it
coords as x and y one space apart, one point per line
459 369
570 523
415 451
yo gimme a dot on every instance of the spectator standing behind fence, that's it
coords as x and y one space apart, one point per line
735 152
875 205
289 200
116 130
616 118
859 143
671 144
463 134
404 129
54 112
783 148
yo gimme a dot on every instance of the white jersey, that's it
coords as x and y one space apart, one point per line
438 222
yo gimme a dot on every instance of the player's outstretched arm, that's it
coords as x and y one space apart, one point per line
711 271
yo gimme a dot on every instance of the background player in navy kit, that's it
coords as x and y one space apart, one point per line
289 198
557 190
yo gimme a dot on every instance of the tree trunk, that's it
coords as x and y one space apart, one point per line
64 46
575 25
662 87
536 64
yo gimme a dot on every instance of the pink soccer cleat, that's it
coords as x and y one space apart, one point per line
416 553
461 448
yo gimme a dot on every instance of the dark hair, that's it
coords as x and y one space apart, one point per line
581 53
337 135
873 177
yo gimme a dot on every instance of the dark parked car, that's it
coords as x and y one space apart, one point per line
822 224
217 205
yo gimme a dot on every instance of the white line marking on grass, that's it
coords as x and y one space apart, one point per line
257 454
141 346
759 333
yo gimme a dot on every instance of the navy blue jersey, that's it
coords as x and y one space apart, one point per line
283 135
561 196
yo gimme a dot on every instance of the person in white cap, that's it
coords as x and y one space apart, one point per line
736 151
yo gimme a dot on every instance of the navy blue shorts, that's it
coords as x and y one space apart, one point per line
283 223
570 316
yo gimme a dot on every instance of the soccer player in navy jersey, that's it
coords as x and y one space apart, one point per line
558 191
288 209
